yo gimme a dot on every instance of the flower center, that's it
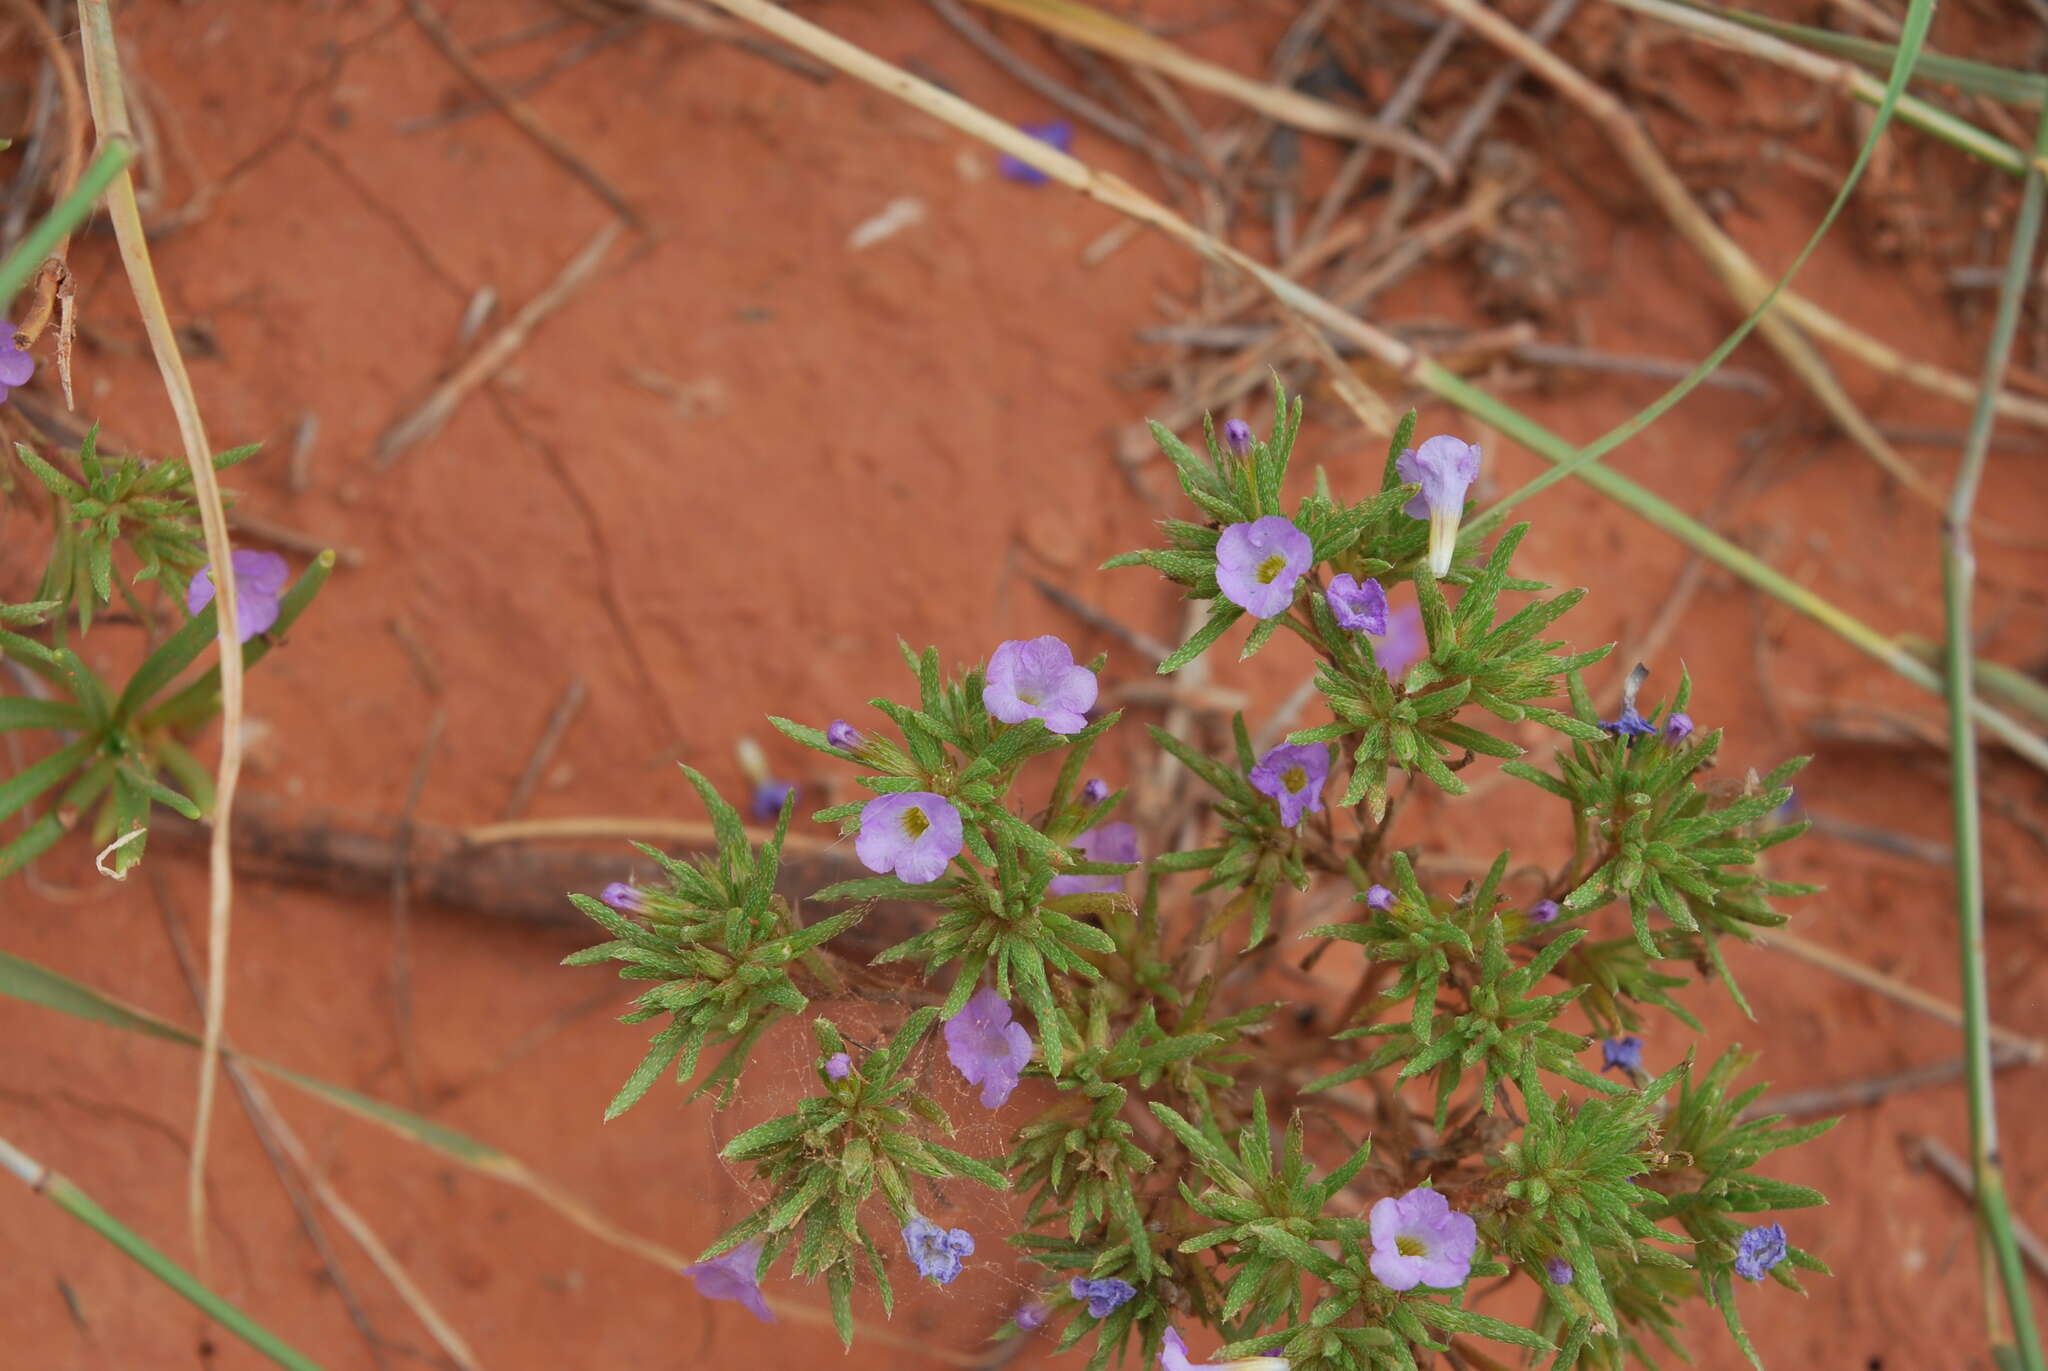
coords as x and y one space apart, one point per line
1030 695
1409 1246
915 823
1270 568
1294 778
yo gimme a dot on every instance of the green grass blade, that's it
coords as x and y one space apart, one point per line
2014 87
80 1206
65 216
32 781
198 700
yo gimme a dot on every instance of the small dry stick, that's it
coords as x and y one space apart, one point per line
544 750
54 276
482 364
401 911
416 653
1096 618
299 469
1831 1099
1957 1173
283 535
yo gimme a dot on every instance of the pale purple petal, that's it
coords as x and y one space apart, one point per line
16 366
1445 467
1406 642
731 1277
1259 564
987 1047
1117 842
913 835
1293 774
259 578
1360 606
1418 1239
1037 678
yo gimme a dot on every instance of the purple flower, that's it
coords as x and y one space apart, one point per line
913 835
1418 1239
1678 728
1237 436
1379 897
16 366
731 1277
624 898
1544 912
1056 133
259 580
1758 1250
988 1046
1173 1356
1360 606
1624 1054
1259 563
1294 775
1036 679
1095 792
936 1251
1033 1315
843 736
1104 1296
1629 725
1116 842
1406 642
766 804
838 1066
1445 467
1558 1269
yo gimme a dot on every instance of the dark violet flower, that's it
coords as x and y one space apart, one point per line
624 898
1104 1296
1293 774
913 835
1418 1239
259 580
1629 725
1624 1054
936 1251
1036 678
1033 1315
1173 1356
731 1277
1758 1250
1406 642
1360 606
843 736
1116 842
1055 133
767 800
1544 912
1678 728
988 1046
1445 468
1379 897
1258 564
838 1066
16 366
1237 436
1558 1269
1095 792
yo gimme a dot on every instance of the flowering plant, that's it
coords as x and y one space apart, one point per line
1170 1194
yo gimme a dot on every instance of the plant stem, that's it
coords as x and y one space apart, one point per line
1959 568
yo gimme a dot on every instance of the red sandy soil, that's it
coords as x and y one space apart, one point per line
846 452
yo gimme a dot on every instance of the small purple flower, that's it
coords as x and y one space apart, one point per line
936 1251
1630 725
1294 775
913 835
1036 678
1379 897
1559 1270
1033 1315
259 580
1258 564
16 366
1057 133
1622 1054
1360 606
1116 842
766 803
1173 1356
1445 467
1104 1296
1758 1250
624 898
1544 912
843 736
1678 728
1095 792
1418 1239
838 1066
731 1277
1406 642
988 1046
1237 436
